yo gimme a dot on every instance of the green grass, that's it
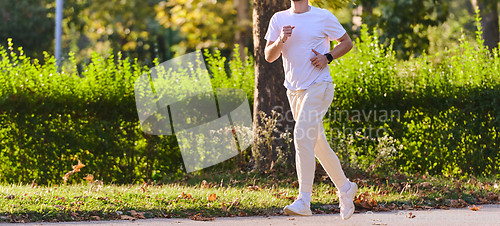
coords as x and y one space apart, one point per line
235 196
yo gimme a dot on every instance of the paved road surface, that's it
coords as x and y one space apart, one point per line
488 215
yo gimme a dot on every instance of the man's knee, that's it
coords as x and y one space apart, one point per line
300 132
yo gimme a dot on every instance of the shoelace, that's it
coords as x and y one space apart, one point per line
300 202
343 198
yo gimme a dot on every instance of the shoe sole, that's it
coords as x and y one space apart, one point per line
291 212
352 212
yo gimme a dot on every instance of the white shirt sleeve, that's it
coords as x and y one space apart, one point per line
273 32
333 28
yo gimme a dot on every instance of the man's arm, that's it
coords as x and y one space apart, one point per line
273 49
345 45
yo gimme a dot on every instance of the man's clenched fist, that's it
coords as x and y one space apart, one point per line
286 32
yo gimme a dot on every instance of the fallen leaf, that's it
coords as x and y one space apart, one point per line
205 184
410 215
212 197
475 208
444 207
242 214
291 219
127 217
103 198
137 215
254 188
184 196
76 168
381 209
199 217
97 218
89 178
10 197
328 192
33 184
60 207
492 196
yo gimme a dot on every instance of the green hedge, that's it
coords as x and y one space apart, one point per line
448 104
50 119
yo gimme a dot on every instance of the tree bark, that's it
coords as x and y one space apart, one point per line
270 94
489 22
242 34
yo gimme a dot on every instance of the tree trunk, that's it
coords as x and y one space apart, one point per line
489 22
242 35
270 94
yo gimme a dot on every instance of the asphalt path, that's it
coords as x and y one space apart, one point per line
488 215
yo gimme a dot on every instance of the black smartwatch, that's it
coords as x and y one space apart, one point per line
329 57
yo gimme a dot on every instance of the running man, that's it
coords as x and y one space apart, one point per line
303 34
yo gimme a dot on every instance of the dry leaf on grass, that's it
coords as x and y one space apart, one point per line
33 184
76 168
475 208
212 197
242 214
199 217
137 214
364 201
328 192
459 203
205 184
10 197
60 207
89 178
127 217
184 196
444 207
492 196
97 218
284 195
254 188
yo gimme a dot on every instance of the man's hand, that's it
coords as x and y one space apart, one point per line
319 60
273 49
286 32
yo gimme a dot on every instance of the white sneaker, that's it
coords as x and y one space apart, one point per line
299 207
346 201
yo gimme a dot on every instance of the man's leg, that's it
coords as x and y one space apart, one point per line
325 154
331 164
308 108
329 161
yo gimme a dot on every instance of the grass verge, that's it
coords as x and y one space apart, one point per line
209 195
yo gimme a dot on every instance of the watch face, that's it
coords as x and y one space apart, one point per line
329 57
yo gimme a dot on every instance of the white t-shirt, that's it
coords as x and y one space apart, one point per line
314 29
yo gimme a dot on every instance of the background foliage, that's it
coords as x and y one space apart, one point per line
160 29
